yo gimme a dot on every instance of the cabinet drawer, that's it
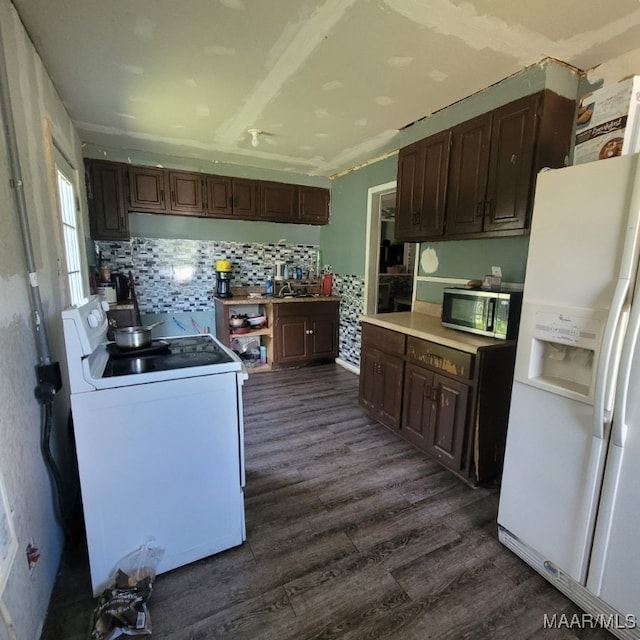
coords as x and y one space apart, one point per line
437 356
383 339
312 309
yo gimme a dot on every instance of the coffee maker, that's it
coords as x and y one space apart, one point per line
223 278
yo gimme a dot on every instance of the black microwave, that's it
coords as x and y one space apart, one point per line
488 313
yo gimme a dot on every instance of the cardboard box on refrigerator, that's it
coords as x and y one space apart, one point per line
607 122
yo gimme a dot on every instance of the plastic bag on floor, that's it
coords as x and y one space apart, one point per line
122 606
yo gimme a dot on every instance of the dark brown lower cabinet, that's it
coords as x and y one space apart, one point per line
381 386
449 403
435 415
381 374
305 332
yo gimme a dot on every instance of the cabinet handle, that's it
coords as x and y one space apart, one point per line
427 392
173 197
479 208
487 208
434 394
161 195
415 217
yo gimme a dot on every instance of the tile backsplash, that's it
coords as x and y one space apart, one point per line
179 275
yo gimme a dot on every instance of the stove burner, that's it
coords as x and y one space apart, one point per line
156 346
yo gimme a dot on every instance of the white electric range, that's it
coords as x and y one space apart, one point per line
159 440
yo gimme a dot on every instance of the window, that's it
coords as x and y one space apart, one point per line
70 232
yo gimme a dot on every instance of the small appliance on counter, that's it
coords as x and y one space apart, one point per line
223 278
120 283
280 271
495 314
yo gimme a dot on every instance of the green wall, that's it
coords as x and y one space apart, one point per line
471 260
343 240
148 225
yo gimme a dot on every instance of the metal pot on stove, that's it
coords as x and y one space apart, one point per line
134 337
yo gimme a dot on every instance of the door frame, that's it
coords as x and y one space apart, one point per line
372 247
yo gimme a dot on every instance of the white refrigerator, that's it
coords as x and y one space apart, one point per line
570 494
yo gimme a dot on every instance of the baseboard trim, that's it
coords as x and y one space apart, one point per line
348 366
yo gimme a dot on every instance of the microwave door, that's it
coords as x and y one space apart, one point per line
471 313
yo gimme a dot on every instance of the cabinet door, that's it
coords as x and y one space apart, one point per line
186 192
510 184
219 197
245 198
290 340
381 386
369 385
108 218
313 205
418 406
323 337
422 184
278 201
468 176
146 189
446 440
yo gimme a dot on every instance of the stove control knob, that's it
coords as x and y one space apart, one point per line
94 318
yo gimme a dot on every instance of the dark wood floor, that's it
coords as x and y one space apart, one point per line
351 534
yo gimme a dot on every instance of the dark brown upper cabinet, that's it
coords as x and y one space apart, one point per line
219 197
231 198
313 205
245 199
147 189
488 171
186 193
124 188
511 177
468 171
278 201
108 215
421 190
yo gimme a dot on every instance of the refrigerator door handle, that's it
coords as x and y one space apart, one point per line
608 361
619 426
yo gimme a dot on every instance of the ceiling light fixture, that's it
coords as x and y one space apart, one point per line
254 136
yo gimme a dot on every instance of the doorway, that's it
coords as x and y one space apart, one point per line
389 264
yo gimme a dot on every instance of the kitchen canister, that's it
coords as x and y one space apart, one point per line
327 284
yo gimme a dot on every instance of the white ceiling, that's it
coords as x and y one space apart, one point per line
329 82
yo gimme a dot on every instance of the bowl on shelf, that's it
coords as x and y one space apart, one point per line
257 321
238 321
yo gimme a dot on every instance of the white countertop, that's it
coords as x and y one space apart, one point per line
427 327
